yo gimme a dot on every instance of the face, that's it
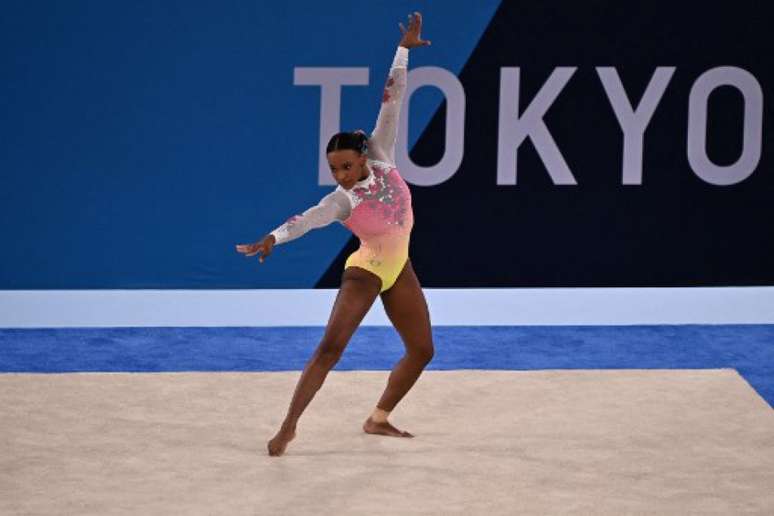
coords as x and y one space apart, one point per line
347 166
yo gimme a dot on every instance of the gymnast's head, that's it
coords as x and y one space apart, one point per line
347 154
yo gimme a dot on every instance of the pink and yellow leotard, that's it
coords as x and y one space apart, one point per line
382 219
378 208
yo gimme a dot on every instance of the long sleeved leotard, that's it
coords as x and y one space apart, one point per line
378 208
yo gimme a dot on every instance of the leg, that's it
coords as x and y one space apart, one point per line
358 291
406 307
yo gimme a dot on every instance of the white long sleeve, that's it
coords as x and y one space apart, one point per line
381 145
334 206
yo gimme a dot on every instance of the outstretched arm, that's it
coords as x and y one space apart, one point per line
334 206
384 135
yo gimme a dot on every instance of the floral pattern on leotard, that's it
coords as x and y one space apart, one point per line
385 194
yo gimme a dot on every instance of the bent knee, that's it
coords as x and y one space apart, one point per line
330 350
424 353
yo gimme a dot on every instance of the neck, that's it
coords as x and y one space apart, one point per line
366 172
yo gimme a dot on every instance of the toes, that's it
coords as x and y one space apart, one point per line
372 427
275 449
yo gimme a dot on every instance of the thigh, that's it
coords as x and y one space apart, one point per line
356 295
406 307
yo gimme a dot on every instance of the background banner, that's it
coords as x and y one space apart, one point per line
550 145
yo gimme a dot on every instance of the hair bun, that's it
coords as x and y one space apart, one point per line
363 140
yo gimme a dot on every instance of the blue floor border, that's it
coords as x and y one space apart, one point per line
748 348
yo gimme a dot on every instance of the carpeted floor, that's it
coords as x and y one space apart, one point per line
667 442
508 420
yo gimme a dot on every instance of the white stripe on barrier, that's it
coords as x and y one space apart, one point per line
311 307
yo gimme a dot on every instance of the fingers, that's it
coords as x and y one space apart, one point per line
414 27
253 249
242 248
414 23
250 249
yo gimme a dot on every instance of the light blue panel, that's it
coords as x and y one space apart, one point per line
141 141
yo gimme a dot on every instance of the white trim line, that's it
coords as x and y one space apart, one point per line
311 307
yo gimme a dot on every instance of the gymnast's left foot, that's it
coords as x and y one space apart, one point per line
383 428
280 441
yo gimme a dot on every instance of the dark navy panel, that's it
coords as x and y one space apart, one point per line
674 229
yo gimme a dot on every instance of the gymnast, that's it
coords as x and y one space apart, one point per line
374 202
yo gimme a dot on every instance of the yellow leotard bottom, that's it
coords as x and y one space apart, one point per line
387 270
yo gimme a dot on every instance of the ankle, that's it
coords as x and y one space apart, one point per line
379 415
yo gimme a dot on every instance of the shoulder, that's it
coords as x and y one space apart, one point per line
337 192
338 196
342 198
384 165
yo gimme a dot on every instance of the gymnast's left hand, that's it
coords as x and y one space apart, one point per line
412 36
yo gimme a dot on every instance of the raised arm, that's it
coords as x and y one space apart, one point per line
334 206
381 145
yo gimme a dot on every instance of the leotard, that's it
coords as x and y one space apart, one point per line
378 208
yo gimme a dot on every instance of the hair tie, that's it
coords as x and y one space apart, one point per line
363 141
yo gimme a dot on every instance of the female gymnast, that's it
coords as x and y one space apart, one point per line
373 202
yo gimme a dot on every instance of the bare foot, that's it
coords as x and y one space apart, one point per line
280 441
372 427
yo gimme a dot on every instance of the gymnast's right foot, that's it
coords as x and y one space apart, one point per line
383 428
280 441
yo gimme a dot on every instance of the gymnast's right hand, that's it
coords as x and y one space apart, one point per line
264 247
